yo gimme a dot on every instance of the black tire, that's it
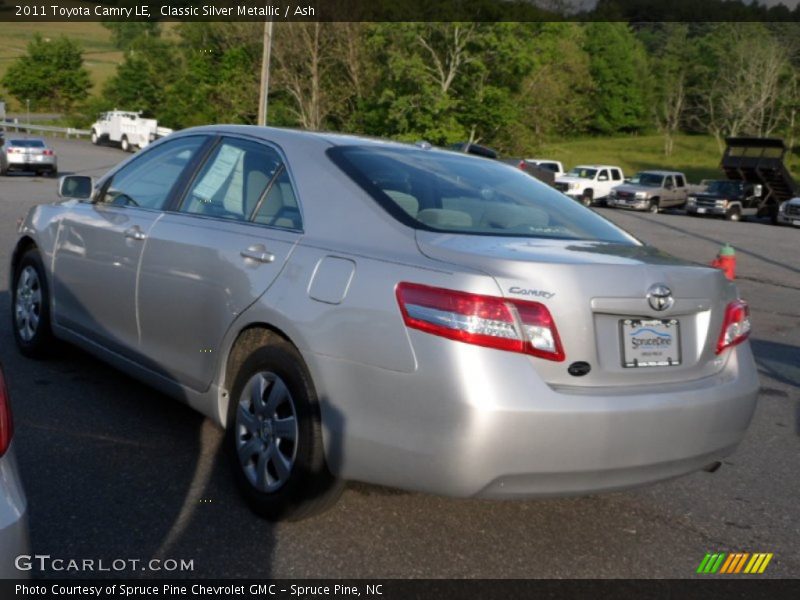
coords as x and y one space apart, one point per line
309 488
124 144
652 208
586 198
41 343
733 214
53 173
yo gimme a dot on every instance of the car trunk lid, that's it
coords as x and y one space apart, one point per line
597 293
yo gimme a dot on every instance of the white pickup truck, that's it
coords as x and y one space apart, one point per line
128 129
590 183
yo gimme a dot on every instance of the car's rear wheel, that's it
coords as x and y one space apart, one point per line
30 307
274 436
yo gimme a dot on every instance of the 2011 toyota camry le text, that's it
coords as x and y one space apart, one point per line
357 309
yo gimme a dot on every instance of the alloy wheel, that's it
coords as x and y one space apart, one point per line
28 303
266 431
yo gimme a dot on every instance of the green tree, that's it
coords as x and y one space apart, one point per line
125 34
618 65
50 74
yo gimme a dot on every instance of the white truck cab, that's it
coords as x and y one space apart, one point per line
590 183
128 129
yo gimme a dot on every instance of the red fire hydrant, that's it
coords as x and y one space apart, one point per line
726 260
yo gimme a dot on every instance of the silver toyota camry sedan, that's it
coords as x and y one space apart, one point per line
356 309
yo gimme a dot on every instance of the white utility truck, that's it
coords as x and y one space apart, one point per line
128 129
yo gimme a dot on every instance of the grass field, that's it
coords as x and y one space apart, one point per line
695 155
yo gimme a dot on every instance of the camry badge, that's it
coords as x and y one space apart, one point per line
660 297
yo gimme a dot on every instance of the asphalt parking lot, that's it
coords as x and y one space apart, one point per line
115 470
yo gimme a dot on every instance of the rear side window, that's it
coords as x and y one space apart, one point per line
448 192
616 175
680 181
233 180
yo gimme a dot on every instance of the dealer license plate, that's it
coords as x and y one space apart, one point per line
650 342
701 211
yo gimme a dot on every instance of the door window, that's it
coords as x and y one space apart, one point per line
603 176
148 180
233 180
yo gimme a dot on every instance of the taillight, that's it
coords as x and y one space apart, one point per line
13 150
735 326
512 325
521 165
48 152
6 425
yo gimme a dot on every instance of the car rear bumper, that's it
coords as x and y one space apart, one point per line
14 538
473 422
32 163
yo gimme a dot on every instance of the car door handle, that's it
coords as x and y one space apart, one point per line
134 233
258 253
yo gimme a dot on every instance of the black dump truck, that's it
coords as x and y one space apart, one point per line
758 181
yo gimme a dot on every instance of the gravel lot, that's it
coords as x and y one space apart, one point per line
116 470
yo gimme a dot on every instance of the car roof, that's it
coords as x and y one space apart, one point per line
284 134
657 172
596 167
12 140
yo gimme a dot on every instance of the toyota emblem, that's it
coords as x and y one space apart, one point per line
660 297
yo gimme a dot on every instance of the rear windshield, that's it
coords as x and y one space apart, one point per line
454 193
26 143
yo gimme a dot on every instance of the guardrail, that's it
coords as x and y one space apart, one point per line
67 132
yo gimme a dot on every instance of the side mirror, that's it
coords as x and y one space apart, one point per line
79 187
669 186
602 178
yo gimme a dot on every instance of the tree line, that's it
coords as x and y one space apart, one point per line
508 85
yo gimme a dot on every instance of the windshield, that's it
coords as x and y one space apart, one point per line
443 191
648 180
26 143
582 172
725 188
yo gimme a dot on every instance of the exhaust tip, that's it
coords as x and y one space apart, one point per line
712 467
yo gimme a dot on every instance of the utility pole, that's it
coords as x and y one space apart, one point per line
263 102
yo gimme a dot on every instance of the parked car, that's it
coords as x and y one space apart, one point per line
590 184
727 198
14 538
28 154
789 212
544 163
652 191
357 309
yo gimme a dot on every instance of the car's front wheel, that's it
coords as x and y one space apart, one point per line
652 207
30 307
274 436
